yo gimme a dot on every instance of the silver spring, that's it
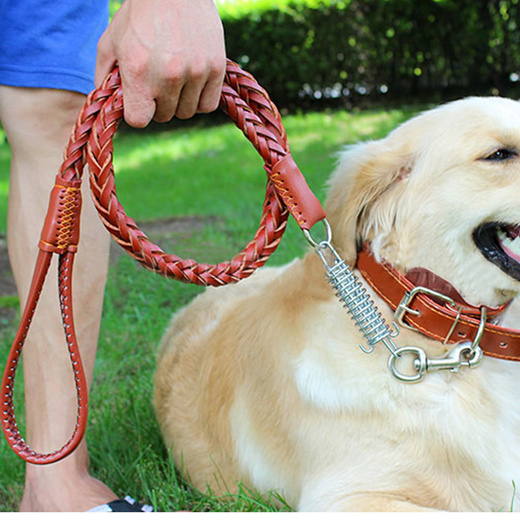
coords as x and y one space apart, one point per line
358 303
353 295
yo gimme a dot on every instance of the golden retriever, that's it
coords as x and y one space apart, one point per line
263 382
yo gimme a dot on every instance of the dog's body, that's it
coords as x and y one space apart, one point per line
263 382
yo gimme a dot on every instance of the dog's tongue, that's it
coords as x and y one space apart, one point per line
513 232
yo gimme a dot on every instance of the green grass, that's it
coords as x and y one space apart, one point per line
198 171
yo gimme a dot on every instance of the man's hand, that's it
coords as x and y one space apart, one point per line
171 57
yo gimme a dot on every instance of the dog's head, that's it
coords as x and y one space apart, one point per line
442 192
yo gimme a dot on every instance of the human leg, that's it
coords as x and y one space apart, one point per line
38 123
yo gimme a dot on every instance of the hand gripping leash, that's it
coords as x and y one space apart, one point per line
250 108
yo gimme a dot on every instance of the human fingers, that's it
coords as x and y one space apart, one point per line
201 91
210 97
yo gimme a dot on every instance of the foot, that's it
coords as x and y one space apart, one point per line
60 493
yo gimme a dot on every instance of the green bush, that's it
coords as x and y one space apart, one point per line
307 52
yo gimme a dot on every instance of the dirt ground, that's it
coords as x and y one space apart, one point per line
7 287
6 276
164 232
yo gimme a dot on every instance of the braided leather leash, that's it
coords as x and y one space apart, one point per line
250 108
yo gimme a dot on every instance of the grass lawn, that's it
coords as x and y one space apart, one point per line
198 190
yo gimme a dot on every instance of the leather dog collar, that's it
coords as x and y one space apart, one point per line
443 318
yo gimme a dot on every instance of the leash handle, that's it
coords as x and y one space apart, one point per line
250 108
60 235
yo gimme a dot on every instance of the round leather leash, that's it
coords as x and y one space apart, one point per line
91 142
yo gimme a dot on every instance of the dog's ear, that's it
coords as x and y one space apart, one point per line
365 173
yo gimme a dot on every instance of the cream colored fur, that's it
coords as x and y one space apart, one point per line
264 383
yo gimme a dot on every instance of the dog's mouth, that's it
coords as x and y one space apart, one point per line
500 244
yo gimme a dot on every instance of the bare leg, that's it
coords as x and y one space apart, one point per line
38 123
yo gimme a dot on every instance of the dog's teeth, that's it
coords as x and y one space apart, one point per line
511 245
515 246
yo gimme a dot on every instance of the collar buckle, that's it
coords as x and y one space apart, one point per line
404 306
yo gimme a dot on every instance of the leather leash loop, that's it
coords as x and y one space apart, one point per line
250 108
9 424
60 235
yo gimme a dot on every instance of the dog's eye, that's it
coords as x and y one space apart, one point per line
502 154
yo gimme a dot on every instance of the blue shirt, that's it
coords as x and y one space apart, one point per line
50 44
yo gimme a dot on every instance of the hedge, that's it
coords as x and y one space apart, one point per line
344 51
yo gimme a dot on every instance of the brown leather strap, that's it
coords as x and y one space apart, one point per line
9 424
292 187
438 321
250 108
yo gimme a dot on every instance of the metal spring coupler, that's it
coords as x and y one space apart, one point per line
354 296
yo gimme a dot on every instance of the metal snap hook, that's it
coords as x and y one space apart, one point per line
420 364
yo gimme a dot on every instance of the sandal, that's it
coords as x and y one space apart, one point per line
122 505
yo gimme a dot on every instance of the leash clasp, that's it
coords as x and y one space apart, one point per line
462 355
